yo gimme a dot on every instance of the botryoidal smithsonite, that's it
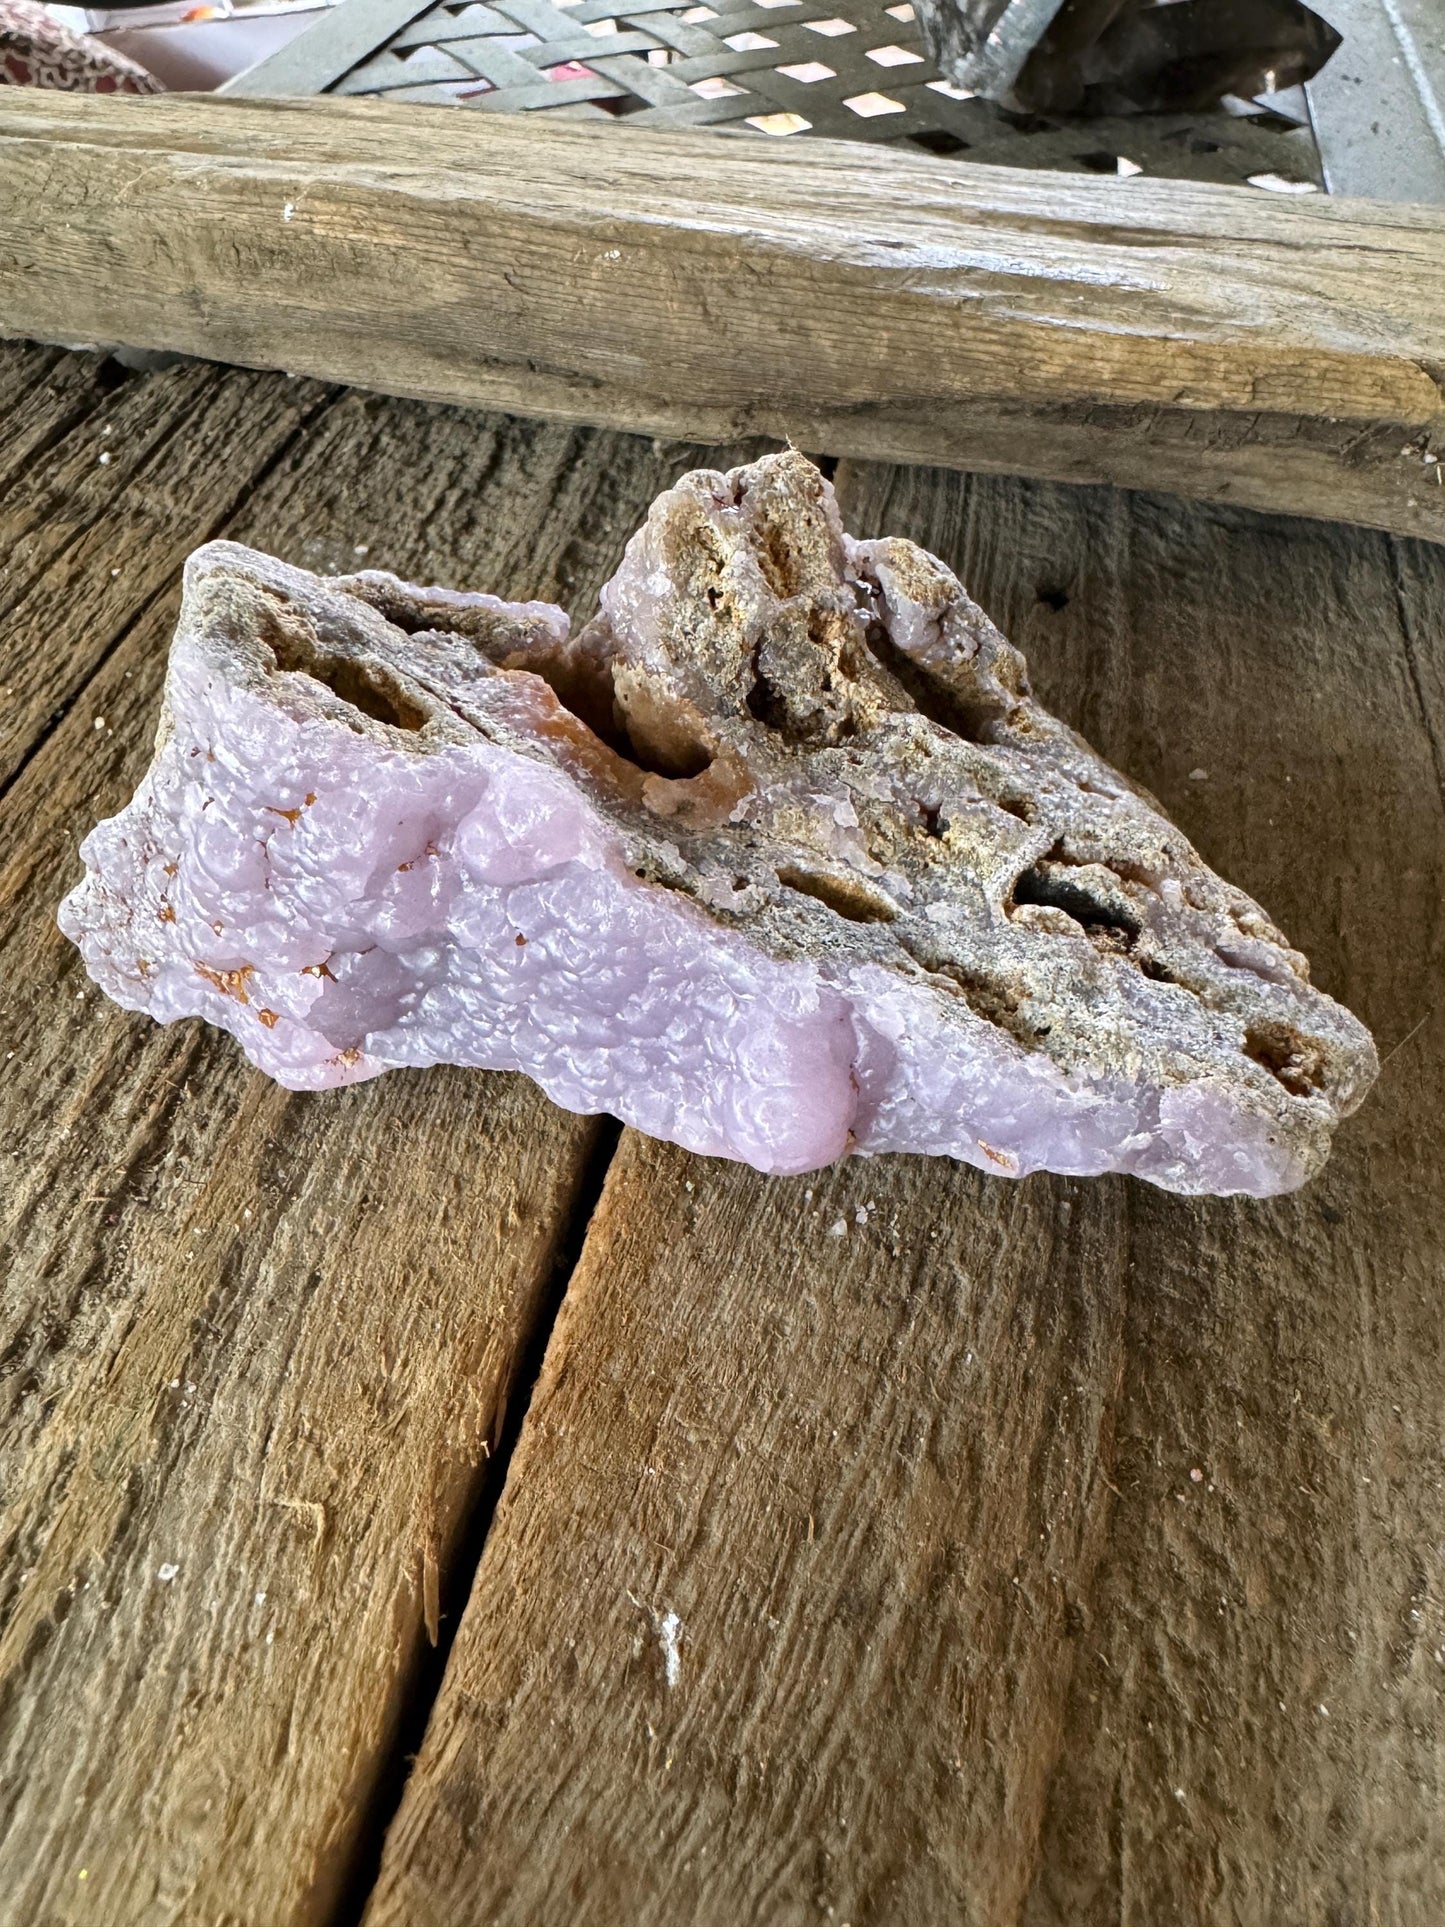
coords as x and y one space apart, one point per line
777 858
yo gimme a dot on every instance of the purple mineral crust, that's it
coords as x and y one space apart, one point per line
776 858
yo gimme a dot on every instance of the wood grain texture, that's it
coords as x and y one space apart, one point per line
1291 1353
254 1347
874 1474
847 1473
1210 340
43 392
108 491
1257 1728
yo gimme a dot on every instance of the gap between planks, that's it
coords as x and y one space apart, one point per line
454 1587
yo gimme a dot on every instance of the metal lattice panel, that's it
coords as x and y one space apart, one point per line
849 69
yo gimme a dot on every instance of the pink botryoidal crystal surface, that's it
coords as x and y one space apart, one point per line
777 858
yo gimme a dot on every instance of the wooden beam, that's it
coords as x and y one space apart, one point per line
1214 341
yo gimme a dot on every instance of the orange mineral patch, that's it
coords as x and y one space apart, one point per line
231 982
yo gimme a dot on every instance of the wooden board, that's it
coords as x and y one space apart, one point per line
1224 343
1255 1728
105 491
256 1347
958 1638
786 1560
1068 1551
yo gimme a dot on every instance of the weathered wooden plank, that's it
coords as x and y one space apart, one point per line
864 1713
1256 1729
1220 342
24 367
43 393
786 1559
256 1346
103 510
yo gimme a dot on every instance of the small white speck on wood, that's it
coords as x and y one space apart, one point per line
669 1633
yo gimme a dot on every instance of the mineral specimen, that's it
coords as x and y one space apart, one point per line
777 858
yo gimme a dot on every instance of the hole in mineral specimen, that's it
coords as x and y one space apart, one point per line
661 744
996 1003
405 615
1156 972
1293 1059
372 692
847 897
674 754
365 686
776 711
946 707
583 688
490 631
1060 885
1023 807
779 561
